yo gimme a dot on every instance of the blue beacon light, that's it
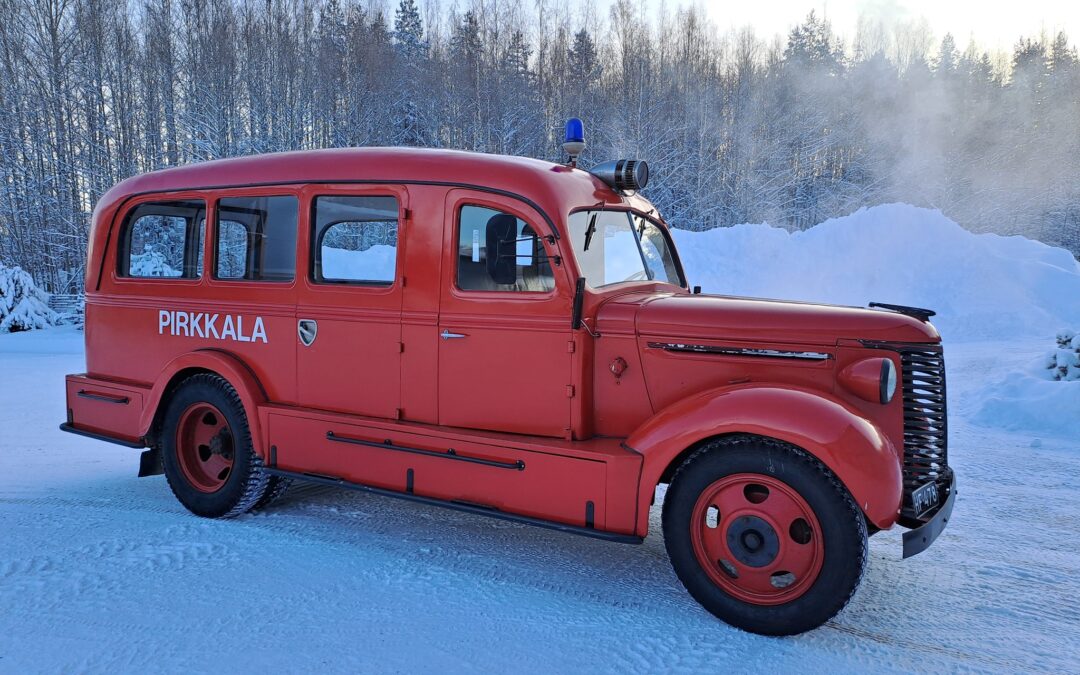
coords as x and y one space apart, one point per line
575 140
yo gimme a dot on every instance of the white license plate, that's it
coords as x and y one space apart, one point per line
924 498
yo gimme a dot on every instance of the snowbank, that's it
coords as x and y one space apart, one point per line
1032 402
374 264
982 286
23 306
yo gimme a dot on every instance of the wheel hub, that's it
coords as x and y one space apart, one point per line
204 447
757 538
752 541
221 444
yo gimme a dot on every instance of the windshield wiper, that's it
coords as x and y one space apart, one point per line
590 231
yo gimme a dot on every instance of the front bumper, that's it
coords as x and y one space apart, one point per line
919 539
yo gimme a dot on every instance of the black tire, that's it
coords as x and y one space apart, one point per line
843 535
246 484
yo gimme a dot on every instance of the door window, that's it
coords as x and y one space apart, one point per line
498 251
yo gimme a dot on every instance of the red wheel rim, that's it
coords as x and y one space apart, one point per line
757 539
204 447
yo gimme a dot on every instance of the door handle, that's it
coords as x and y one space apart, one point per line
446 335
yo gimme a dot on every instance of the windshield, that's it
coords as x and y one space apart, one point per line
616 246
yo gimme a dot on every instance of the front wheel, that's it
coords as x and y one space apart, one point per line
207 452
763 535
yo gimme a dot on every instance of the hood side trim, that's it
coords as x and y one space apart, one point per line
737 351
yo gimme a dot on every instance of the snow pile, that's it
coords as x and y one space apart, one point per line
1036 400
23 306
982 286
1064 362
376 263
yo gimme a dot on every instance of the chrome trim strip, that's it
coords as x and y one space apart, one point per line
740 351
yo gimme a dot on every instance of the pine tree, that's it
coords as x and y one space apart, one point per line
517 55
584 64
409 30
948 56
23 306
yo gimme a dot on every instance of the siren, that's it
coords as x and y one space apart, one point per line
623 175
574 144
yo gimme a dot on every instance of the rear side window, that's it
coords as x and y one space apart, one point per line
163 240
355 240
256 238
500 252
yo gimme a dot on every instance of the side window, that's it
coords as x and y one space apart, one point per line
163 240
355 240
256 238
500 252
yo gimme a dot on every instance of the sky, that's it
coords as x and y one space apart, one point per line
993 24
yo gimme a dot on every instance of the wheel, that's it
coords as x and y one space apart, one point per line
763 535
209 460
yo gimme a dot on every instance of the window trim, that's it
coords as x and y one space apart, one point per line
213 275
122 269
475 293
315 243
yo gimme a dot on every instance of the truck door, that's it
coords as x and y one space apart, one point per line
348 328
504 320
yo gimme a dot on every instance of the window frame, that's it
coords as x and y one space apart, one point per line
315 241
192 246
554 260
213 275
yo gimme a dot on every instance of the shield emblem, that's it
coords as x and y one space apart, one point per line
307 329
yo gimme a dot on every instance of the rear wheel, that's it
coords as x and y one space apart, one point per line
207 452
763 535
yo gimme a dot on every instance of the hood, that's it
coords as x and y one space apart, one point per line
759 320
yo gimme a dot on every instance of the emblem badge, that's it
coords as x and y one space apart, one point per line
307 329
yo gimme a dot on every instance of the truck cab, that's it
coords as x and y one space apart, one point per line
510 337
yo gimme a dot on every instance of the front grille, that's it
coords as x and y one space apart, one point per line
926 426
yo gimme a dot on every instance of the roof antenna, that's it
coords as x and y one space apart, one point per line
574 144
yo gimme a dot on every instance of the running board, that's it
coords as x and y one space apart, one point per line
459 506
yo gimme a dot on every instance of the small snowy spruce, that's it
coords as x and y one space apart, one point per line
23 306
152 263
1064 362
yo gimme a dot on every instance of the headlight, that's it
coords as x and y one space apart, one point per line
873 379
888 380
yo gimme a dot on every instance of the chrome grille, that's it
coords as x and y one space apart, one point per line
926 425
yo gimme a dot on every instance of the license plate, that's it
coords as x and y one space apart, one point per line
924 498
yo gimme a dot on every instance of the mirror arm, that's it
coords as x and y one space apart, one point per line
579 301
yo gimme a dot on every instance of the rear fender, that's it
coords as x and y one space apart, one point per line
221 363
853 448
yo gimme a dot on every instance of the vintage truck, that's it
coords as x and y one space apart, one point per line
509 337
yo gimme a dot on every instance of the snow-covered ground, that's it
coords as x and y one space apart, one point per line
100 570
103 571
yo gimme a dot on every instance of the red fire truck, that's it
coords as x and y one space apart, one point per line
509 337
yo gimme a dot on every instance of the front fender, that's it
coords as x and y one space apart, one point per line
853 448
222 363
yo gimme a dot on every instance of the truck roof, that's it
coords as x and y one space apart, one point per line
554 187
